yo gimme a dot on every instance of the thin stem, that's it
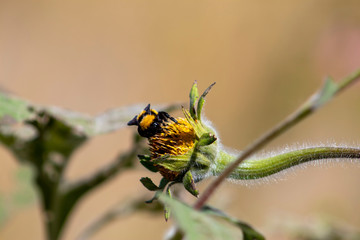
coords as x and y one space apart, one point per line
309 107
260 168
348 81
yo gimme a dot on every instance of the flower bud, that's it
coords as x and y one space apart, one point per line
181 149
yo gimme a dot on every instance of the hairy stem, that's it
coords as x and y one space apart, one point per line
322 96
259 168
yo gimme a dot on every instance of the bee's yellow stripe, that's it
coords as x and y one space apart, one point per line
142 112
146 121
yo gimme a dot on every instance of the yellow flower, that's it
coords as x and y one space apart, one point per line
176 138
183 149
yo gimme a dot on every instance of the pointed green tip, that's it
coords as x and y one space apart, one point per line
194 95
206 139
202 100
189 184
167 213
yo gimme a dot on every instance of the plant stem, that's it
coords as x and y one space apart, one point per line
309 107
259 168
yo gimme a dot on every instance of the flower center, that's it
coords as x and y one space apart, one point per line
174 139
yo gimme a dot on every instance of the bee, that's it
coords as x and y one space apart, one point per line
150 122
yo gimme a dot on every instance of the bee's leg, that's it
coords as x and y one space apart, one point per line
165 116
173 119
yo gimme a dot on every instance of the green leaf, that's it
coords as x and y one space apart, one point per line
13 109
189 184
163 183
25 192
51 142
202 101
194 95
248 232
148 183
200 225
173 163
149 165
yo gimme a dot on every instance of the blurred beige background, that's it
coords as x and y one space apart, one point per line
267 57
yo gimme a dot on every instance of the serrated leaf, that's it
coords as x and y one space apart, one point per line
198 225
148 183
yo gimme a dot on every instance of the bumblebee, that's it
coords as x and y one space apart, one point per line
150 122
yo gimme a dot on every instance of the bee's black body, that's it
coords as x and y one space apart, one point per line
150 122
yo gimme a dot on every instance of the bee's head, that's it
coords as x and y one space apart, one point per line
145 118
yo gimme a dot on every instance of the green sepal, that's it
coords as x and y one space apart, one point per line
174 163
189 184
145 160
206 139
198 127
202 101
148 183
144 157
194 95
